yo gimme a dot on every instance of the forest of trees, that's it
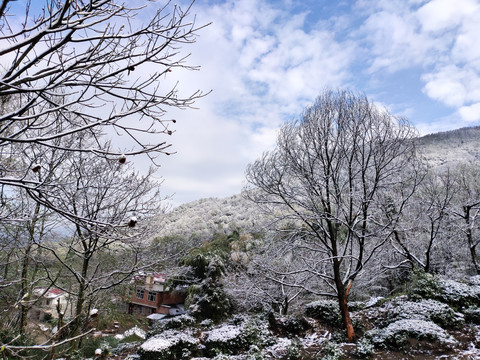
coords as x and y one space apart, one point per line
348 188
81 102
346 206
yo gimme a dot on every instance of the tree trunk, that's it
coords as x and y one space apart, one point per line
471 245
285 306
26 288
343 301
473 254
77 323
23 305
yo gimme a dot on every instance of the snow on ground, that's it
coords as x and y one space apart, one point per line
224 333
167 339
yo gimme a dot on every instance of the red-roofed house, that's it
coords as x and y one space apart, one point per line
49 301
150 296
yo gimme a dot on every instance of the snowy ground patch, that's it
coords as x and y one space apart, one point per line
133 331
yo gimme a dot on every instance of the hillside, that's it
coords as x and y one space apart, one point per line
451 147
398 313
201 218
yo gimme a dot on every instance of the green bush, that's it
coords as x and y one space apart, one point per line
472 315
206 302
294 351
365 348
90 344
332 351
131 339
424 285
326 311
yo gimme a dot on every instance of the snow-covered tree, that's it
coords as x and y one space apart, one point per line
335 172
87 66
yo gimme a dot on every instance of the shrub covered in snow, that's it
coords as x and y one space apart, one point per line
365 348
294 350
332 351
279 349
396 334
178 322
226 339
356 305
237 336
326 311
474 280
428 310
472 315
169 345
459 294
455 293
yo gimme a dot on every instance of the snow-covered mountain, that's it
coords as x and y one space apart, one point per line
449 148
202 218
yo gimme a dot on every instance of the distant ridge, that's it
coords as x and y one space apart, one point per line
450 148
465 133
202 218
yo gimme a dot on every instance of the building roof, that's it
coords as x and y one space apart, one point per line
157 277
50 293
156 316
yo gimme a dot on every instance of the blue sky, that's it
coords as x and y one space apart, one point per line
266 60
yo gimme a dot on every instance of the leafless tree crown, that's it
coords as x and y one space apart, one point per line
336 173
90 66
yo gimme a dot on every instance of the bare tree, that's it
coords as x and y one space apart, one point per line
84 89
466 208
332 173
103 193
87 263
30 223
94 66
426 222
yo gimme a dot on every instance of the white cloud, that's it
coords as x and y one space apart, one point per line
453 85
395 40
263 68
470 113
439 38
441 15
446 85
